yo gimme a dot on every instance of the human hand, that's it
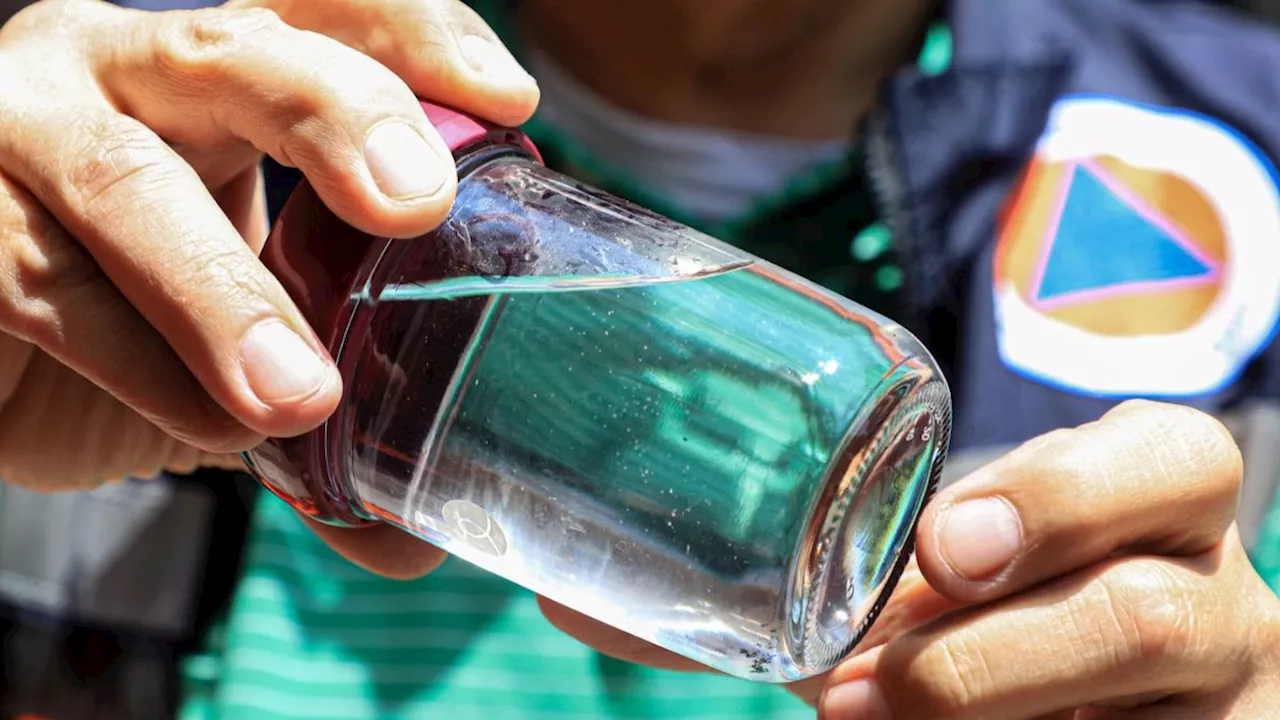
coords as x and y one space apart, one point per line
138 331
1117 588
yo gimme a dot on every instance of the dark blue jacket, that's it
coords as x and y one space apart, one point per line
1088 210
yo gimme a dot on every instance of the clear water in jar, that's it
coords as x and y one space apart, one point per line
653 450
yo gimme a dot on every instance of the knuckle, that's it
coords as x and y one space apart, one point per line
1138 406
41 270
1059 459
1144 439
1139 613
430 57
1047 456
336 77
955 671
110 153
1194 446
226 268
428 30
192 261
433 39
424 30
341 76
198 45
461 19
1038 448
340 87
1216 448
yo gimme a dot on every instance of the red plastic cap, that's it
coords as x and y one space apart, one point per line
460 130
457 129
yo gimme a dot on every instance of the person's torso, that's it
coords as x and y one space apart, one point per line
1087 207
1079 210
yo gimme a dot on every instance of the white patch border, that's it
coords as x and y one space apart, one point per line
1243 185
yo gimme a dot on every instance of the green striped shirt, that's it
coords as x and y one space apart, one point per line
309 635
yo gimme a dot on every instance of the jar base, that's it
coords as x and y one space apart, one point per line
859 538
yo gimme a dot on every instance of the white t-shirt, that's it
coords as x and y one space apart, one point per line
714 174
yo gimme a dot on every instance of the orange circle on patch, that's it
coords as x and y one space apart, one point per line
1069 224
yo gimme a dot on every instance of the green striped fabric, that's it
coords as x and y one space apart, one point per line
312 636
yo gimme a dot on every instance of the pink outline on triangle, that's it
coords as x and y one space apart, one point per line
1146 212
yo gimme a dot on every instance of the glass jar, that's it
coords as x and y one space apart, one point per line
615 411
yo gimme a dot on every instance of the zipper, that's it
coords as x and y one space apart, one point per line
886 185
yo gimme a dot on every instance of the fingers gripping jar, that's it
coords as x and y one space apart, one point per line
615 411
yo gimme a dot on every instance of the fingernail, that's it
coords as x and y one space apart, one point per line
978 538
493 61
857 700
279 365
403 163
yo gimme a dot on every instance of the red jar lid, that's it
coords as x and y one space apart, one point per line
317 257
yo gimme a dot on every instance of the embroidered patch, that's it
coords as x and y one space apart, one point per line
1139 255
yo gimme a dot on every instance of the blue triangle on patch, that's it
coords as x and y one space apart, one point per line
1102 241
